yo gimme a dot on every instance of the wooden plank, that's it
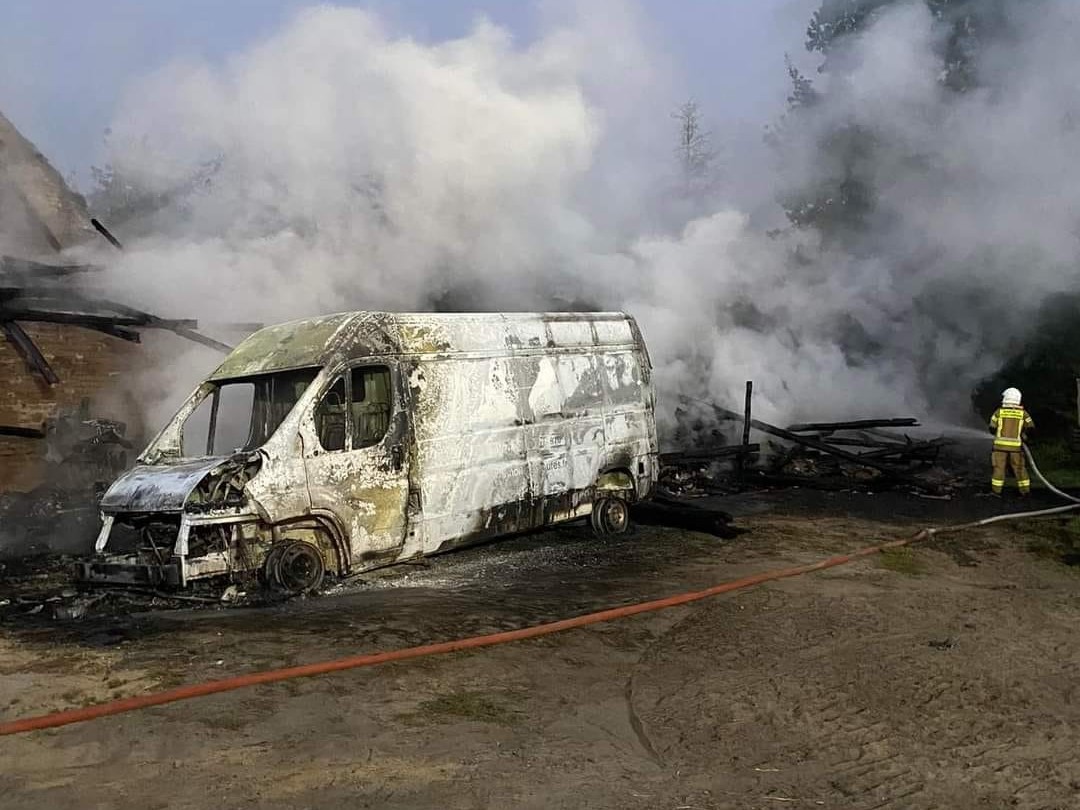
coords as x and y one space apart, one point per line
112 240
11 313
903 451
37 270
705 456
29 351
773 430
747 417
22 432
857 424
843 441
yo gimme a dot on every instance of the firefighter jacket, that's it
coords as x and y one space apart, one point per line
1008 425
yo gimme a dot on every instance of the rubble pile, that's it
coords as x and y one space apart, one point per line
863 455
84 454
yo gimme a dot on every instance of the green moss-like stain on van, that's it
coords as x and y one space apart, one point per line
288 345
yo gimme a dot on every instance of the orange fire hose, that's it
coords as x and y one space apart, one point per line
130 704
64 718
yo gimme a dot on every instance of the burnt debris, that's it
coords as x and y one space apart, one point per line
864 455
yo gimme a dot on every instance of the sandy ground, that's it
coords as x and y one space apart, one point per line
941 678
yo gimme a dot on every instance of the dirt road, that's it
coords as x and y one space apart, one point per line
944 677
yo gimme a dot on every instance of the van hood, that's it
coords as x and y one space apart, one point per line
158 487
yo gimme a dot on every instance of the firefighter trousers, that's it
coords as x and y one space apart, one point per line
1005 460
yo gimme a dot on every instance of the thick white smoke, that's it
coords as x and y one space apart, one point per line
360 169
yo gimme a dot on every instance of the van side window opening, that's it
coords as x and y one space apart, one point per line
367 416
370 405
330 417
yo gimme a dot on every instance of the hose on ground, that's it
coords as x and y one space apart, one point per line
1042 478
63 718
1055 510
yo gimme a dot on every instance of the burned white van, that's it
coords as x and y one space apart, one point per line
350 441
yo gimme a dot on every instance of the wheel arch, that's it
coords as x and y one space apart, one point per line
326 525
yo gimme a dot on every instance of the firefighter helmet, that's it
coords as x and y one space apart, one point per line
1010 396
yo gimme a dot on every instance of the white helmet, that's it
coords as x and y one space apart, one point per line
1010 396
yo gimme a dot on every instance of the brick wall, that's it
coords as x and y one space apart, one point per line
89 364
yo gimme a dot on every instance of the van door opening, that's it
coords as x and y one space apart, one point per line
356 459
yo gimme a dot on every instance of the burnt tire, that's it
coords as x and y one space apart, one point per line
268 573
297 568
610 516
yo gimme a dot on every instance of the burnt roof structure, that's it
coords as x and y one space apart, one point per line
61 343
39 213
41 216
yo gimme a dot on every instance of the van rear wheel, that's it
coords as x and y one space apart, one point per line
610 516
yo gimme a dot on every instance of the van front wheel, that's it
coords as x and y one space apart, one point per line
610 516
294 567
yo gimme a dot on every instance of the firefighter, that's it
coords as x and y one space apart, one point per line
1008 424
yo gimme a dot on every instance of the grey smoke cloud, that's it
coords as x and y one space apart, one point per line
359 169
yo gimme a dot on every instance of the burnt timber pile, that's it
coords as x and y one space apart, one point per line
862 455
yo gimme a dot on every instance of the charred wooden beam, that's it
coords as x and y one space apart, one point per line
705 456
116 327
773 430
197 337
126 315
928 448
112 240
685 516
176 327
858 424
22 432
130 335
747 415
29 351
840 441
825 483
85 319
38 270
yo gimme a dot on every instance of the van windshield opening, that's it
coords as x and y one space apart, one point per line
242 414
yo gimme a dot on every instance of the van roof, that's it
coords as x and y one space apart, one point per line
329 338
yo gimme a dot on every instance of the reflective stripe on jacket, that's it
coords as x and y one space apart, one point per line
1008 425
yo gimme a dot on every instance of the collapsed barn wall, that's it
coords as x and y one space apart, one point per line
40 216
87 362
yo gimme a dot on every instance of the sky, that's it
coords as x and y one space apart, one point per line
65 64
401 156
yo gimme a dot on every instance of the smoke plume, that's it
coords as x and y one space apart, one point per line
339 165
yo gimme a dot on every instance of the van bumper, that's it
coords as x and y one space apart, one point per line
128 572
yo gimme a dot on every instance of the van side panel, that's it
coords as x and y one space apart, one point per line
518 438
470 446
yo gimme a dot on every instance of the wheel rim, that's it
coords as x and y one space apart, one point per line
616 515
299 568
